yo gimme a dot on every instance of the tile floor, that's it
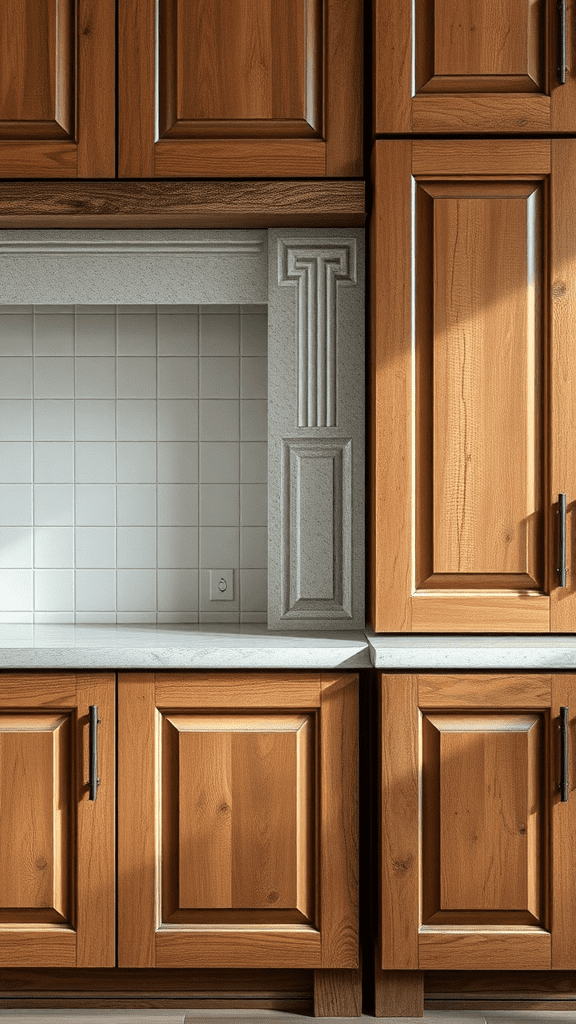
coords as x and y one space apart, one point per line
276 1017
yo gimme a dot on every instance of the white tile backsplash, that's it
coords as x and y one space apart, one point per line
133 450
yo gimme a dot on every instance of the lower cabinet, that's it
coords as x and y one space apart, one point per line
477 829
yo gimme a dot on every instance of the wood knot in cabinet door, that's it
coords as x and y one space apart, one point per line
403 865
558 289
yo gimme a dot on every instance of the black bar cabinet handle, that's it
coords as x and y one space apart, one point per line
563 754
561 6
561 540
94 781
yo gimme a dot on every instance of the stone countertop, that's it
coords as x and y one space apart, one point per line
397 652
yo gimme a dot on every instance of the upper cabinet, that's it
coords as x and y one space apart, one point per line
249 89
473 386
57 89
490 66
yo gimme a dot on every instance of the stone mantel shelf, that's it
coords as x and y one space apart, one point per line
190 647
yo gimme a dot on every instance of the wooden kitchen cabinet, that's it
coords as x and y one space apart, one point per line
476 868
473 385
57 877
250 89
57 88
237 798
489 66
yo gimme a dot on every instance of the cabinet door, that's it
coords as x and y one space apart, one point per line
473 66
471 812
237 820
56 845
473 385
249 89
57 89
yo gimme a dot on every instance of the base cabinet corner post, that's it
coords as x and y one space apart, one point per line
238 807
478 823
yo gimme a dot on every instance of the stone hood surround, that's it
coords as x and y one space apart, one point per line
312 281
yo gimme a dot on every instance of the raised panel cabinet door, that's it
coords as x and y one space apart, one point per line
489 66
238 820
57 845
249 89
475 838
473 385
57 89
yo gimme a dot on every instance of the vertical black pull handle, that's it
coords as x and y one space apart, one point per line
561 8
561 540
564 754
93 780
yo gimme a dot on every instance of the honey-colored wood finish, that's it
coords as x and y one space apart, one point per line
473 385
488 66
258 88
57 89
237 820
475 872
57 898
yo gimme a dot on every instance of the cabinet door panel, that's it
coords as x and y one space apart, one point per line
54 122
481 65
250 89
253 861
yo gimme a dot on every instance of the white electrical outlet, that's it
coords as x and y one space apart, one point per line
221 584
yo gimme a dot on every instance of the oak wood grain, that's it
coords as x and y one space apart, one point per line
482 689
398 993
521 952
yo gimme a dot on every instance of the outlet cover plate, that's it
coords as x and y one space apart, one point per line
221 584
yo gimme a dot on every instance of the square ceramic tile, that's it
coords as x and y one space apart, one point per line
15 335
219 378
53 377
95 377
219 333
95 462
95 504
254 378
254 547
137 334
15 590
53 504
178 334
136 547
58 618
95 307
136 462
16 462
95 617
177 420
177 590
177 378
219 420
15 307
177 547
95 547
54 334
219 462
53 462
132 617
137 420
219 505
15 419
53 590
254 505
168 617
177 505
95 334
136 589
217 607
136 505
15 547
53 547
15 378
254 420
95 589
54 419
137 378
219 547
15 504
139 309
95 419
254 590
53 307
253 462
254 334
217 308
16 617
178 462
223 617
